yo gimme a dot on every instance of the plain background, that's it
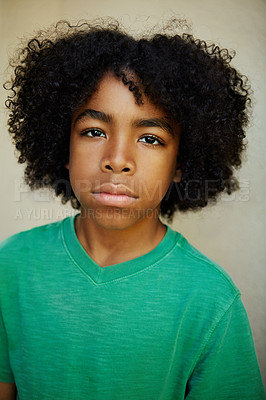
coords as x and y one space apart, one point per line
232 232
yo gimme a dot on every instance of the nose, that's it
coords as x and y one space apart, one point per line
118 158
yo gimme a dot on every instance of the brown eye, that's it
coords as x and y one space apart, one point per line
150 139
93 133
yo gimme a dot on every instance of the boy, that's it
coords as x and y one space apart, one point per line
112 304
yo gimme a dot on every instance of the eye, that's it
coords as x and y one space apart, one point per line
150 139
93 132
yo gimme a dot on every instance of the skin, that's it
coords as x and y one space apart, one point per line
123 157
122 160
7 391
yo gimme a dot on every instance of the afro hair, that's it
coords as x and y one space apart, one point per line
59 69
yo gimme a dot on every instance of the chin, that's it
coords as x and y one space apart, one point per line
115 218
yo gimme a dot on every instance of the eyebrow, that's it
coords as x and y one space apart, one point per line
155 122
99 115
140 123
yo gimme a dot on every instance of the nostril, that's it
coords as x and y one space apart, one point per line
108 167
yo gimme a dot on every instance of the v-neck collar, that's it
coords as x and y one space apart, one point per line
102 275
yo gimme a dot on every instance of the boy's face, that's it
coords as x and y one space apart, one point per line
122 156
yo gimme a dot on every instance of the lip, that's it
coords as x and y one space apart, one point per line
116 195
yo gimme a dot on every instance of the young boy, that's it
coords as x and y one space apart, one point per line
113 304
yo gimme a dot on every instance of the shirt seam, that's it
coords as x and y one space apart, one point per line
213 330
72 258
115 279
211 264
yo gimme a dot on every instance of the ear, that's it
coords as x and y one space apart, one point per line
67 165
178 174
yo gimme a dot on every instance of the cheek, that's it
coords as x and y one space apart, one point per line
79 173
167 173
81 160
167 167
157 179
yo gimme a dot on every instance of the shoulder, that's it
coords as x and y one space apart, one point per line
29 238
26 247
32 252
29 257
200 275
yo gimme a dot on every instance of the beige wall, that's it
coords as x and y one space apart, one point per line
233 232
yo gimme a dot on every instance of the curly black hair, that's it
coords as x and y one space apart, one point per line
191 80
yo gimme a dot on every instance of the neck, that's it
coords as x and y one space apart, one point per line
108 246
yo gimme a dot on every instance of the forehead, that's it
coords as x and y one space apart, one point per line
115 97
113 102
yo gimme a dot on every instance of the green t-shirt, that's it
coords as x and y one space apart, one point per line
166 325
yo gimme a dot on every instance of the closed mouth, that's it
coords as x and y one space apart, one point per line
114 190
114 195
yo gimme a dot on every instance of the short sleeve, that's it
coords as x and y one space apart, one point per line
228 366
6 374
